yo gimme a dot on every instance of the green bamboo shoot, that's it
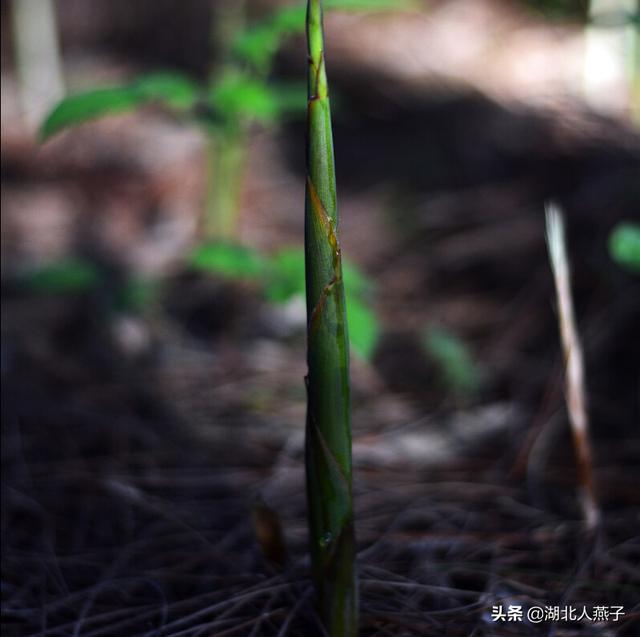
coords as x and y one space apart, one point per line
328 437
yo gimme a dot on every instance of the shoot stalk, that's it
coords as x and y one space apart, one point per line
328 435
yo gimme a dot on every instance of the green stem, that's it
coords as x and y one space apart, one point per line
328 438
225 175
226 144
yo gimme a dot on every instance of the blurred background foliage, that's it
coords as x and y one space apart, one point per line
228 70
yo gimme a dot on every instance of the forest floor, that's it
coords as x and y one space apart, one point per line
166 497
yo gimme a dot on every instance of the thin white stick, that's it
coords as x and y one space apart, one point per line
575 394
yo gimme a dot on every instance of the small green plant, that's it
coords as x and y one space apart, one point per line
223 110
624 246
238 95
328 435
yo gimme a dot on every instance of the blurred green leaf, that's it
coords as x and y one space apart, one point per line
457 367
83 107
173 90
285 278
364 329
624 246
258 44
228 260
69 276
356 282
239 94
138 294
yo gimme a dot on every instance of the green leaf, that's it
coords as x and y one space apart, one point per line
259 44
364 329
69 276
624 246
356 282
83 107
457 367
173 90
239 95
285 278
228 260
